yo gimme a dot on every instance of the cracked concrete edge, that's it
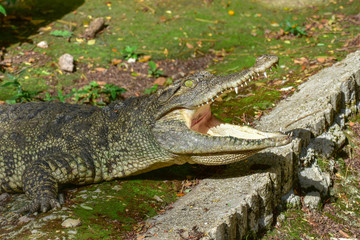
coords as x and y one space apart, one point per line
241 202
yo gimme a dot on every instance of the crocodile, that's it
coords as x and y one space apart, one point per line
46 145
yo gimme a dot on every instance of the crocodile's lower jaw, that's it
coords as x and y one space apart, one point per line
201 120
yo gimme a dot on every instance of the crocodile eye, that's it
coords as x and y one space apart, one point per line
189 83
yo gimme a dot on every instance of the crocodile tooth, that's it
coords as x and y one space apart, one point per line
237 90
265 74
257 74
207 102
212 100
246 83
252 77
217 96
242 85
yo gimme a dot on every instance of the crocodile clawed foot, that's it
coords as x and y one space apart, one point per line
43 205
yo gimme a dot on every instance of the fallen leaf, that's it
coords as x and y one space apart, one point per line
259 84
189 45
116 61
45 29
91 42
301 61
100 69
37 21
278 82
166 52
79 40
344 234
145 58
101 83
321 59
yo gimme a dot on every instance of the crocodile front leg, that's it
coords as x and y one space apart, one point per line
41 180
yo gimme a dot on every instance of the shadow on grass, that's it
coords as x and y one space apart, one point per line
26 17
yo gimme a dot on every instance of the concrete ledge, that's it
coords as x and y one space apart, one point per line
242 201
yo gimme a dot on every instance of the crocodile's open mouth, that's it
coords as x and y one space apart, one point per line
201 120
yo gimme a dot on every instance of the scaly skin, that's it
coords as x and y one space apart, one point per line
46 145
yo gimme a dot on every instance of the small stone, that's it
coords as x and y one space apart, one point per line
291 200
66 62
157 198
312 200
116 188
71 223
131 60
313 178
25 219
43 44
286 89
72 232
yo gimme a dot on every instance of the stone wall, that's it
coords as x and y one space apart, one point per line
243 200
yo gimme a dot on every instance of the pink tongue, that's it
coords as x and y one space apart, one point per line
203 122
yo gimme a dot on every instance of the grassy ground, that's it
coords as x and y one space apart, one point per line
234 31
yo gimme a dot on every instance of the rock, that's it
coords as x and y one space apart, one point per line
326 144
72 232
71 223
312 200
117 187
43 44
291 200
94 27
157 198
24 219
131 60
66 62
312 178
286 89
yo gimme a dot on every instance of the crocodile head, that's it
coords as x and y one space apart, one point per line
185 125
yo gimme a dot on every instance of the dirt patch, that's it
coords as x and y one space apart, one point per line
134 76
327 223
